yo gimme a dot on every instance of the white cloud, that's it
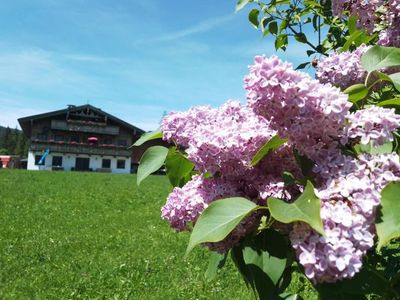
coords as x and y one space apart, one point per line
195 29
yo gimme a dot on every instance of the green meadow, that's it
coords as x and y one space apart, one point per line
67 235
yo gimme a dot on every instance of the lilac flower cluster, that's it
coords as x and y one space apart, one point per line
373 124
184 205
342 69
391 35
315 119
218 140
373 15
300 108
364 10
349 200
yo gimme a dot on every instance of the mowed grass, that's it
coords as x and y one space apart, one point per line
87 235
70 235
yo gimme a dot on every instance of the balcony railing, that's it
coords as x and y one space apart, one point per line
82 127
80 148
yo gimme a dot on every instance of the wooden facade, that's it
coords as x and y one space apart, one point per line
80 138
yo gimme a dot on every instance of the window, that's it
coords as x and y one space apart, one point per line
57 161
75 138
122 143
37 159
41 137
121 164
107 141
106 163
58 138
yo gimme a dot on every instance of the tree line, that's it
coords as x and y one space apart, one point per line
13 142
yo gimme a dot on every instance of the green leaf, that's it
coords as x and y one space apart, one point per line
253 17
267 253
241 3
310 52
217 261
306 209
390 102
219 219
273 27
274 143
265 22
283 25
351 24
367 281
237 257
302 66
301 37
356 92
378 57
157 134
281 41
177 166
350 40
152 159
370 149
389 225
395 78
306 165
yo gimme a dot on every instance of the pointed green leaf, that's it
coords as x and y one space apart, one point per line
306 165
241 3
301 37
302 66
281 41
352 24
217 261
219 219
177 167
395 78
350 40
378 57
273 27
389 225
274 143
152 159
306 209
356 92
253 17
157 134
268 253
390 102
370 149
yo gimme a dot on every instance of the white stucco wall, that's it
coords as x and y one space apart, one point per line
68 162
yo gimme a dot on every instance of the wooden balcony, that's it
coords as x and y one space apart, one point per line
80 148
84 127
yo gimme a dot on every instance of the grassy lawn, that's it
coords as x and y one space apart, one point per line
98 236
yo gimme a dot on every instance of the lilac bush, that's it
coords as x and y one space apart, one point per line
307 165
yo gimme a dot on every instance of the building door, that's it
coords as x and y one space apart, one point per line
82 164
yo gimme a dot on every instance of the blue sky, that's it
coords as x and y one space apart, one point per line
135 59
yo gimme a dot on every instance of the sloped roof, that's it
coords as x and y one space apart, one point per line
25 121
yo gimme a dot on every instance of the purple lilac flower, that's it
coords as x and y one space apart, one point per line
349 200
391 35
364 10
373 124
342 69
298 107
185 205
177 127
219 140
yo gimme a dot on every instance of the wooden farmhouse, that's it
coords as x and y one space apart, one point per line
80 138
